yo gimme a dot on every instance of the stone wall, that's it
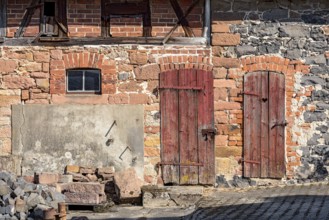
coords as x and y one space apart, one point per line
36 75
289 37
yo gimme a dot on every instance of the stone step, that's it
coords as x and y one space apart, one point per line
171 196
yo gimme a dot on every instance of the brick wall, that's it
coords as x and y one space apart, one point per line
130 75
15 12
84 19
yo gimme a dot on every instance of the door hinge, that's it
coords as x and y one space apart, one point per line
250 161
208 132
180 164
249 93
181 87
283 124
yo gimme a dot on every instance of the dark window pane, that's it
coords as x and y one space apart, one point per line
92 80
74 80
49 9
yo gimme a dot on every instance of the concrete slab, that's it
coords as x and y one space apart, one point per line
49 137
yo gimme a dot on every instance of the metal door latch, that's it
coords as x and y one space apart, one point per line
284 124
208 132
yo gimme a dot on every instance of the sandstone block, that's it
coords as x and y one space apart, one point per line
86 170
65 179
105 170
219 39
7 66
226 62
92 177
127 184
41 56
82 198
72 168
18 82
20 205
81 187
138 58
148 72
47 178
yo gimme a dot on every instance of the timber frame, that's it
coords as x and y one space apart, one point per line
3 19
59 21
141 8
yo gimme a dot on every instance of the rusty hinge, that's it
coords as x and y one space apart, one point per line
208 132
250 161
180 164
182 87
283 124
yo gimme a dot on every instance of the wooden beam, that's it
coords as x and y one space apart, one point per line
188 11
182 18
3 18
27 17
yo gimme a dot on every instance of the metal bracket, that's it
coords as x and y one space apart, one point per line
180 164
124 151
284 124
249 93
208 132
250 161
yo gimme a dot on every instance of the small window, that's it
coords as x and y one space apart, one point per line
83 80
49 9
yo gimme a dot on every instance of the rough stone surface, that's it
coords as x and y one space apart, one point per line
128 185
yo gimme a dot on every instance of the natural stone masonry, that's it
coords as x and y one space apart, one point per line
288 37
36 75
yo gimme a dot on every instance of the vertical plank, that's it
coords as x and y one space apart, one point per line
206 121
252 125
3 17
276 132
264 144
169 127
188 127
62 16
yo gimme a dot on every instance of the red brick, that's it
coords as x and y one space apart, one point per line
220 39
131 86
221 140
220 73
220 94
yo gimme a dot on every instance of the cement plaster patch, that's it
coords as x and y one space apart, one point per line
49 137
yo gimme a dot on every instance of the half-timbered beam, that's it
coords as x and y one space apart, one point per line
181 18
3 18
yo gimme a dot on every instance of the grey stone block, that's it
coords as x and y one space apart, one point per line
294 31
312 80
275 14
245 50
314 116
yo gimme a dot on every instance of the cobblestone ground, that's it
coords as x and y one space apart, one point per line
289 202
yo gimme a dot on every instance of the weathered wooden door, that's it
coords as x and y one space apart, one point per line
264 125
187 134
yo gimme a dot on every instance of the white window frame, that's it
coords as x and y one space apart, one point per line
96 71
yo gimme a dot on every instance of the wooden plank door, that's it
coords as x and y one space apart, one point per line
187 150
264 125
